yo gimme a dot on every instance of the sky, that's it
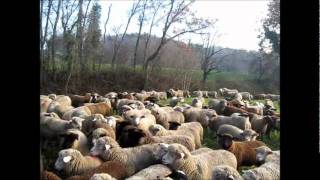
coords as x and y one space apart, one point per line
239 21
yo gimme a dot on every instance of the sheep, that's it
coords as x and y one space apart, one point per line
197 166
223 91
261 123
141 97
253 109
273 124
236 103
123 102
205 94
113 168
237 96
165 118
269 104
273 97
139 118
96 121
113 120
260 96
44 104
197 94
134 159
225 172
203 116
72 162
244 150
217 104
75 139
82 111
157 171
270 169
192 129
58 108
102 176
237 133
101 132
175 100
177 93
246 96
213 94
238 121
111 95
144 137
100 108
269 112
265 154
51 126
63 100
47 175
197 102
78 100
186 94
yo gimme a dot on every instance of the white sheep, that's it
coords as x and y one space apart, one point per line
72 162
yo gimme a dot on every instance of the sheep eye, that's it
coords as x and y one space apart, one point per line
131 116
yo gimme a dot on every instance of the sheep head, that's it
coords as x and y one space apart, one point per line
65 157
102 146
226 141
249 135
262 152
156 129
75 123
134 116
175 154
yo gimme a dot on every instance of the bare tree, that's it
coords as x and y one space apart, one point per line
117 47
210 58
54 34
79 35
177 14
104 34
44 37
141 20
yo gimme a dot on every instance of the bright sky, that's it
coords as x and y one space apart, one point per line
239 21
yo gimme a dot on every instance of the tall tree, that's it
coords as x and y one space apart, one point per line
141 20
92 41
44 37
178 14
104 35
54 34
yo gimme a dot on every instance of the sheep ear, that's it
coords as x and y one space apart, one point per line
181 155
67 159
107 146
230 177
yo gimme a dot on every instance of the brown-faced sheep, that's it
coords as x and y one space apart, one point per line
241 122
134 159
75 139
72 162
244 151
237 133
139 118
197 166
113 168
225 172
203 116
78 100
164 117
144 137
192 129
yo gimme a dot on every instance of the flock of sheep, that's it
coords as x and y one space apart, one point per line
132 136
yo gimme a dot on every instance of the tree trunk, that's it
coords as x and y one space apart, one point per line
54 32
204 78
45 35
139 34
80 36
